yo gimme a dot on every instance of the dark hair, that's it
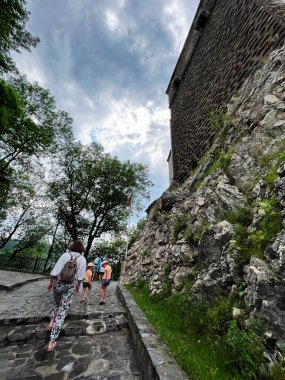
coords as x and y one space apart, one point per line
77 246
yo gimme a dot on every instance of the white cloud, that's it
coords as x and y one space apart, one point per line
31 67
108 63
112 20
176 20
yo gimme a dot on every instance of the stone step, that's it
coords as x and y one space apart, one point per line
73 327
74 315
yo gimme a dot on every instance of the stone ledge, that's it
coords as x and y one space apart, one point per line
70 327
152 354
20 283
73 316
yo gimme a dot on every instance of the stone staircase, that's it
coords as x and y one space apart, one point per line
92 323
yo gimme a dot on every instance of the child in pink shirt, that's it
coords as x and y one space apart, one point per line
87 282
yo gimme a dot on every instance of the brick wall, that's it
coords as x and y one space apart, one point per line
227 40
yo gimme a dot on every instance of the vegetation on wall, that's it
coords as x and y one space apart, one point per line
253 243
203 338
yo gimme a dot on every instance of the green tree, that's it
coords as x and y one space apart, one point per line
13 33
30 127
27 216
91 189
113 250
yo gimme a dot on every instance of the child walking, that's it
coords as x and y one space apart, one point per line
88 276
105 281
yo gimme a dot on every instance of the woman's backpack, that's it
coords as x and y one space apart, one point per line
68 272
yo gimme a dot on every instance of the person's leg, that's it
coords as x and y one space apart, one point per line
101 294
62 310
104 294
88 291
82 294
57 290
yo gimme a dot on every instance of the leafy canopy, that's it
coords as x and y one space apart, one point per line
13 33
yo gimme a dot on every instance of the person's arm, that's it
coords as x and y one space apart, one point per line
51 283
56 270
77 286
108 273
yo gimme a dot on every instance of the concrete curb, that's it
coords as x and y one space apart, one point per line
16 284
152 354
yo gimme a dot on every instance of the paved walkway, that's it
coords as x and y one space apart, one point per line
95 343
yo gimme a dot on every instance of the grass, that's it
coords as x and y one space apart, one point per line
196 335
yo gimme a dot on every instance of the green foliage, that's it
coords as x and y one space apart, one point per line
197 334
139 284
191 278
194 236
221 162
136 232
270 226
241 215
146 251
219 118
277 370
13 34
90 191
179 226
166 284
254 243
114 250
30 124
154 212
246 350
271 175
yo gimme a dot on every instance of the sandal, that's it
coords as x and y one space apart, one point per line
51 345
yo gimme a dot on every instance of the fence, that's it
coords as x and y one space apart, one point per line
23 264
39 265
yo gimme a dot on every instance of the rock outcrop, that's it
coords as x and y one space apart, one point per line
224 226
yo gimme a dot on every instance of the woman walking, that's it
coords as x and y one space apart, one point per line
66 277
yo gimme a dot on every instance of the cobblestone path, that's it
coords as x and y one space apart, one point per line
95 342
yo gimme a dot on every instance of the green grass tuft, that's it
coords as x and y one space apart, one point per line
198 335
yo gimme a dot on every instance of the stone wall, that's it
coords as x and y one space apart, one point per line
191 244
227 40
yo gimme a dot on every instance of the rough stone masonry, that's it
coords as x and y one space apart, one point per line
227 40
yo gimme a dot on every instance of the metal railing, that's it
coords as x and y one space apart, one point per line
23 264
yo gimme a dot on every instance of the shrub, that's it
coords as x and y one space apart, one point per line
179 226
241 215
270 226
139 284
271 175
166 284
254 243
135 235
219 118
194 236
277 370
246 350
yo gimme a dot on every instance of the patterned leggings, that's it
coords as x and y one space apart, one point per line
63 294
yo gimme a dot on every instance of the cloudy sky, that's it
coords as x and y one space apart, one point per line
108 63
